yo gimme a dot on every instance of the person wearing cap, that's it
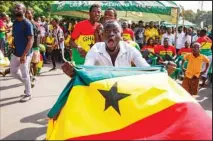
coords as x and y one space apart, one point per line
194 69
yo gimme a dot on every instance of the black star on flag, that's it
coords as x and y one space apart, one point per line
112 97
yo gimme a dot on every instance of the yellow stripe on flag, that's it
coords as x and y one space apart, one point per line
206 45
83 113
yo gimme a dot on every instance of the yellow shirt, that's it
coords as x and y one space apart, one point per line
151 33
10 40
50 27
50 40
194 66
67 41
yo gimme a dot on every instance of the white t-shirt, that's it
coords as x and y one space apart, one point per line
98 56
171 38
180 40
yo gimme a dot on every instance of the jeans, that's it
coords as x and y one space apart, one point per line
21 71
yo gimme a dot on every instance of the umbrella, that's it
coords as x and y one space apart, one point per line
130 10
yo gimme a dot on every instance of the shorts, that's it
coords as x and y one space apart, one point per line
36 56
191 85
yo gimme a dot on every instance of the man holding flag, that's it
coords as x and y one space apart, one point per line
124 103
111 52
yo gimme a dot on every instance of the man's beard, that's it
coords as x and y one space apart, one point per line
19 14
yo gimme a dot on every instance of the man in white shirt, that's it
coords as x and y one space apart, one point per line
180 37
170 36
112 52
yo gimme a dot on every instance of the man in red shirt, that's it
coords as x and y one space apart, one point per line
165 52
82 37
128 34
185 50
182 52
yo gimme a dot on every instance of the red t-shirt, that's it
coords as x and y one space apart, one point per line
149 48
128 34
205 42
163 51
184 51
1 23
83 34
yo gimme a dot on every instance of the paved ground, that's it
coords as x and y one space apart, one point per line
27 121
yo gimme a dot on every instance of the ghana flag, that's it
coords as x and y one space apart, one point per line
126 104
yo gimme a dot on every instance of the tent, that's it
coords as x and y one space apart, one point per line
181 22
129 10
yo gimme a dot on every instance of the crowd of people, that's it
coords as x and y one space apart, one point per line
29 42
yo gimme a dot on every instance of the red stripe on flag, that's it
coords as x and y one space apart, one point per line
184 121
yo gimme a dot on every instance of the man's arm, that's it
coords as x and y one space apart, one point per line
185 58
29 45
132 35
162 39
73 44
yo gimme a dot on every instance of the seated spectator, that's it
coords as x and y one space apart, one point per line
150 46
183 51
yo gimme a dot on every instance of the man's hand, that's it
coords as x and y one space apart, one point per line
23 59
68 69
82 52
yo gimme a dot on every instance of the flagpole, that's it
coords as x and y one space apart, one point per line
177 20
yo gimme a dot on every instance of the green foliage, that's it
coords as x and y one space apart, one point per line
196 18
41 8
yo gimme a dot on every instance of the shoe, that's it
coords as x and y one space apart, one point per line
32 85
33 79
3 74
22 95
52 69
25 98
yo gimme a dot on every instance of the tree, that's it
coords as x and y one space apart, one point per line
41 8
196 18
189 15
204 16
